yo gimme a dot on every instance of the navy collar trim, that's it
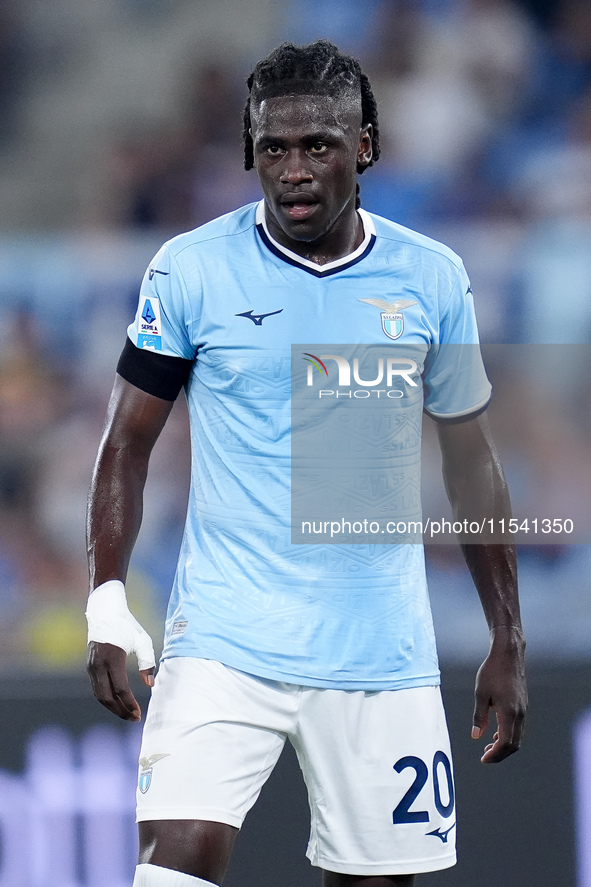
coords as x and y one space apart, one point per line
330 268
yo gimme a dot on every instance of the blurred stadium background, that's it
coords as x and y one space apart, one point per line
120 125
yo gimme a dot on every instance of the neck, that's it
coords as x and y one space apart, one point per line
342 239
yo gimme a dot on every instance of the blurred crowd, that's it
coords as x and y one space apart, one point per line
485 120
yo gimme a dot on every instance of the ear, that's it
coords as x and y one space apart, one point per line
365 151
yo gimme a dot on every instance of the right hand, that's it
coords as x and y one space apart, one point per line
113 632
106 665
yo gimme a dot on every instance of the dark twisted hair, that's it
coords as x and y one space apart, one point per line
316 69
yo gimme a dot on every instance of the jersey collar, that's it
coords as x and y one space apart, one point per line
369 238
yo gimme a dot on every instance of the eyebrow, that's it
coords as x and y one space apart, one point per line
318 136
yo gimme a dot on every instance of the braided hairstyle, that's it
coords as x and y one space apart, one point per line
316 69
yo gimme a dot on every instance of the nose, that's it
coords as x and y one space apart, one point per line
296 168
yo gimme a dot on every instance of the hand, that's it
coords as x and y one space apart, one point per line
113 632
106 665
500 685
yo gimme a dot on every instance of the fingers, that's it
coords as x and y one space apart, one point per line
498 750
147 676
490 751
144 649
506 740
480 716
500 686
110 685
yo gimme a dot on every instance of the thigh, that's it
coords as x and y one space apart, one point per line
380 782
212 737
198 848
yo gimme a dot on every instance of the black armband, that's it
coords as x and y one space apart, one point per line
457 420
157 374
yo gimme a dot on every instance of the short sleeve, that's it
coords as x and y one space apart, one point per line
162 322
455 381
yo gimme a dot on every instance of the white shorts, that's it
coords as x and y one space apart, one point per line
377 765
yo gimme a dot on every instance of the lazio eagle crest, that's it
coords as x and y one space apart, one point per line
147 765
392 319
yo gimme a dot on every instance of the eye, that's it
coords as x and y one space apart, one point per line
274 150
318 148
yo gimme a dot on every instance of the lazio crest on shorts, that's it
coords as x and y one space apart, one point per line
147 766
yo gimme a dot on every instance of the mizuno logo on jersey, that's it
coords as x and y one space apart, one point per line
257 319
154 271
392 319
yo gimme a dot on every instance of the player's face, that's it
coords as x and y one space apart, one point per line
306 151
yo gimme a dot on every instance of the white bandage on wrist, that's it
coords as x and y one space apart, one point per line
110 622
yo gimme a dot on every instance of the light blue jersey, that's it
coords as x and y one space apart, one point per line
233 300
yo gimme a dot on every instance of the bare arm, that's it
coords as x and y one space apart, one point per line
134 421
477 489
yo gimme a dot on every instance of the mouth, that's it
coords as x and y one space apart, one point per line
298 206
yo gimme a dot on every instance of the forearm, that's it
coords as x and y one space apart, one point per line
114 512
477 490
494 572
134 421
480 493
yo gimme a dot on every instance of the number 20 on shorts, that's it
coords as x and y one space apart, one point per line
441 765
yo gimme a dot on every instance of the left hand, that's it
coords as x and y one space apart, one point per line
500 685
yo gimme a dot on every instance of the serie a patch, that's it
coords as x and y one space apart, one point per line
149 326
